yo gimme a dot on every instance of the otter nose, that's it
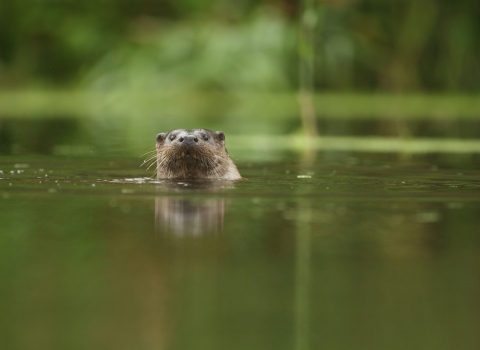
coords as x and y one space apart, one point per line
188 139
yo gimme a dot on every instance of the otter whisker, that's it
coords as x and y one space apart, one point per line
150 157
150 165
151 151
149 161
221 158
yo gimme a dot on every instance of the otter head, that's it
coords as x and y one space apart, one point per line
194 154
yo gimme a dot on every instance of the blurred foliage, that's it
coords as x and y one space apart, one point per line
199 55
369 45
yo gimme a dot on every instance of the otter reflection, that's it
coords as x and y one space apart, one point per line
199 214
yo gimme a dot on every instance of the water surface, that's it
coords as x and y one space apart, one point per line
344 251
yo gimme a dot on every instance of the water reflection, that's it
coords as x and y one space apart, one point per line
201 214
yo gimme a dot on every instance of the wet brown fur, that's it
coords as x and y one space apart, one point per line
203 159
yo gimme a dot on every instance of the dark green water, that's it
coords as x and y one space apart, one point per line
345 252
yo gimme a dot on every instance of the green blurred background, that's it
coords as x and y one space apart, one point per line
83 72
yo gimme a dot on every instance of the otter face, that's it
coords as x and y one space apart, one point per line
193 154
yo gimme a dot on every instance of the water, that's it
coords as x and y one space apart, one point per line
346 251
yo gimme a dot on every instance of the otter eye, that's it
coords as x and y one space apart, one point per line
172 137
205 137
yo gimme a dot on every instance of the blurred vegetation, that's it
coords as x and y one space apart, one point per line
369 45
376 67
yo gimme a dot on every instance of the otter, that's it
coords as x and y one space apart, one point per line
194 154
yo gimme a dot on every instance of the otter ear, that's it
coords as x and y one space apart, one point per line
161 137
220 136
